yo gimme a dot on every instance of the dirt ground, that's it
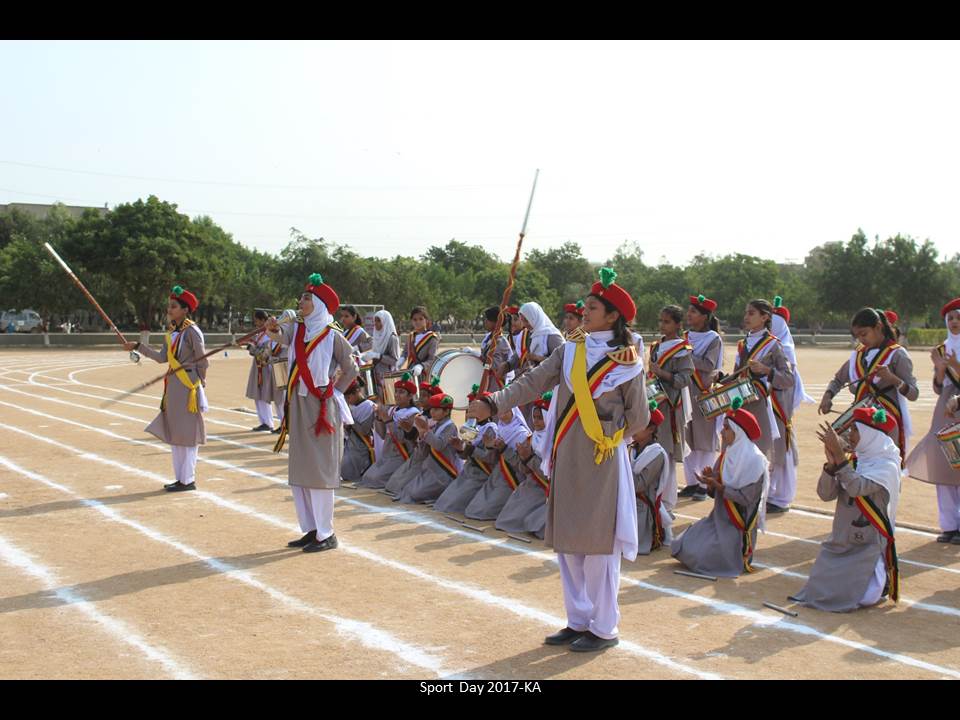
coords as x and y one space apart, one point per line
104 575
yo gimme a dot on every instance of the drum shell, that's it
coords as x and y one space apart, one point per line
719 401
948 437
458 371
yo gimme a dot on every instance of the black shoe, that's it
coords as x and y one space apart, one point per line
564 637
305 540
956 539
180 487
689 491
774 509
329 543
276 432
262 428
591 643
171 486
947 536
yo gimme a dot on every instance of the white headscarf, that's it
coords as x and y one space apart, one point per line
952 344
878 460
598 345
317 321
514 431
381 338
542 327
646 456
782 331
319 360
743 463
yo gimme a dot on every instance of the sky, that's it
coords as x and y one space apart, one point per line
762 148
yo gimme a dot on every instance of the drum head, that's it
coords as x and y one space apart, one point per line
458 371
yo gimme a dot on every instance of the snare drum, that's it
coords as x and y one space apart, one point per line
949 439
655 391
458 371
843 423
387 391
719 401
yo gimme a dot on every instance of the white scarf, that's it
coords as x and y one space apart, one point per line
319 360
952 343
399 413
663 348
751 340
646 456
542 327
514 431
701 341
878 460
381 337
362 411
598 345
743 463
483 431
782 331
901 400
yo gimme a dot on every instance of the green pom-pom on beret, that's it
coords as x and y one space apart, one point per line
778 301
880 416
315 279
737 403
607 276
701 298
406 377
177 290
435 381
652 404
579 304
475 388
447 400
547 396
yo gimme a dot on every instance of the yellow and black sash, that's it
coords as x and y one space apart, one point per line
745 357
486 469
367 443
568 417
291 384
862 369
173 347
876 517
524 349
404 453
414 348
542 481
951 373
353 334
782 414
448 467
746 525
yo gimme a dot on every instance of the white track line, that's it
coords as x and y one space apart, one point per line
369 635
481 595
758 619
15 557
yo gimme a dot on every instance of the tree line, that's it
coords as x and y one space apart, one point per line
131 256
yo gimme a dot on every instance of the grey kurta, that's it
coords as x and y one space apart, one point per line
359 338
501 357
356 454
783 379
459 493
387 362
900 365
582 508
377 475
426 356
671 433
411 467
647 483
702 433
926 461
314 460
490 499
848 559
176 425
263 386
528 498
432 479
714 545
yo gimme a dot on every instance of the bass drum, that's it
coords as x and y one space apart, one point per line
458 371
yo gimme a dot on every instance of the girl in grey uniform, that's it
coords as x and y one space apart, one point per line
526 508
394 426
358 444
505 478
651 477
441 464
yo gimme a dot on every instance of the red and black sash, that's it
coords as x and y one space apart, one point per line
401 448
745 523
568 417
744 357
951 373
862 369
414 348
508 473
486 469
353 334
448 467
299 370
524 348
542 481
654 508
698 380
876 517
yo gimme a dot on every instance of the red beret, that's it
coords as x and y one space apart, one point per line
877 418
185 296
745 419
440 400
892 317
703 303
323 291
406 383
543 402
780 309
607 289
952 305
574 308
656 416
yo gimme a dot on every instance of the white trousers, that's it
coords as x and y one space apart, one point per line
948 501
590 585
695 462
783 483
669 500
265 412
314 510
875 587
185 462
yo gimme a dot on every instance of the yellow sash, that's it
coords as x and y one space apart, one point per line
180 372
603 445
